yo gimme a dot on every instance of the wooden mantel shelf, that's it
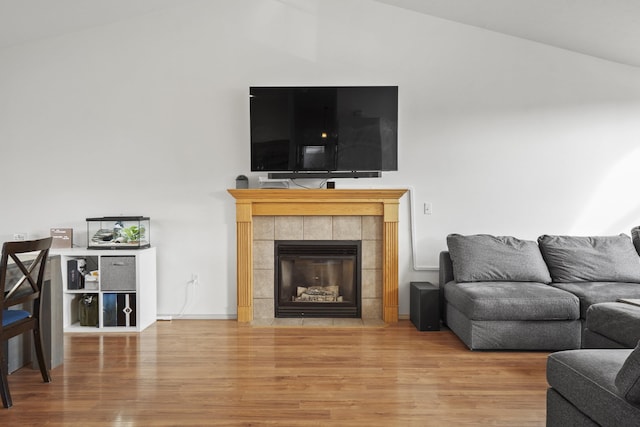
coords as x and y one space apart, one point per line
261 202
320 194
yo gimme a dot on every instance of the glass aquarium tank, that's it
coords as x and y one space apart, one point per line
118 232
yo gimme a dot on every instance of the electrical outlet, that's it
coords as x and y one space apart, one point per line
428 208
19 236
195 278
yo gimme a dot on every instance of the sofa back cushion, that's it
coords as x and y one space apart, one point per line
628 378
591 259
486 258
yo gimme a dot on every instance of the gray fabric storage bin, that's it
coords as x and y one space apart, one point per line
118 273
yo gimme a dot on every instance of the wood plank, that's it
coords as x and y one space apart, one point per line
390 272
317 194
221 372
244 269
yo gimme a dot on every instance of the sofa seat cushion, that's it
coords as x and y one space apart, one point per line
484 258
591 293
586 378
591 259
615 320
511 301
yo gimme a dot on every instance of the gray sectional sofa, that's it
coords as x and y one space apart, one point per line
511 294
594 388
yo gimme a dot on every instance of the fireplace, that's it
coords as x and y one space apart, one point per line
254 250
317 278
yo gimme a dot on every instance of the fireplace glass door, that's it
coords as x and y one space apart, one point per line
317 278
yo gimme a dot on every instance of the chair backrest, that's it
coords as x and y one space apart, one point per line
22 269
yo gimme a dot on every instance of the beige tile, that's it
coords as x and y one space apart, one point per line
374 323
371 254
263 254
367 228
317 322
263 227
371 283
371 308
262 322
289 228
263 308
263 283
281 321
317 228
372 228
347 228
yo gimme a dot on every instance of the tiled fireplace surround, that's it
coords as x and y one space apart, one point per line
264 215
266 229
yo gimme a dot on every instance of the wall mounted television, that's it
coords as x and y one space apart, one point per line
324 132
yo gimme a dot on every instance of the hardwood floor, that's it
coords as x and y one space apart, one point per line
219 372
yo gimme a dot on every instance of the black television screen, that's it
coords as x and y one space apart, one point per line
324 129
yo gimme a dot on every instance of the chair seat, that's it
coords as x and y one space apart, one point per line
12 316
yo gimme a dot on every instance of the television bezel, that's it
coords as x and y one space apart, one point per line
330 174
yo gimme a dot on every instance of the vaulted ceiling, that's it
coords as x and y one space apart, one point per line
29 20
607 29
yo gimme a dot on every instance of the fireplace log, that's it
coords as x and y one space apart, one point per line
317 294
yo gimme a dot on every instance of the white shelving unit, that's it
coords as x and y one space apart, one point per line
130 272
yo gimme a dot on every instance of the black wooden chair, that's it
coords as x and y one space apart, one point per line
21 277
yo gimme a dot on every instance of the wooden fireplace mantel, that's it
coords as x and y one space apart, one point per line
261 202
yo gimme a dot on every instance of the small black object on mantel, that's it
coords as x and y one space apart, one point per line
242 181
331 184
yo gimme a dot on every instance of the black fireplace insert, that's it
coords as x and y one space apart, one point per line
317 278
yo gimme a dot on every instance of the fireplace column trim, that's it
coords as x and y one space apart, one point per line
383 202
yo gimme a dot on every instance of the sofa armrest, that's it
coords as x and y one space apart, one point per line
635 236
446 275
446 268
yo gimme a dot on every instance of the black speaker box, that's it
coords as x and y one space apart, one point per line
425 306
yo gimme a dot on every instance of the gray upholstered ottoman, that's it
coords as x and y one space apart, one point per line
612 325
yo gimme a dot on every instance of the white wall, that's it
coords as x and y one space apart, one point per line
150 117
